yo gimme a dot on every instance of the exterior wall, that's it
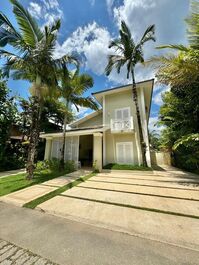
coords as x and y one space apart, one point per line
160 158
95 121
97 151
117 101
112 139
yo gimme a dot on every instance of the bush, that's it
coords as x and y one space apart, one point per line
54 164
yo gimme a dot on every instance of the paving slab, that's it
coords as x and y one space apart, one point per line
163 204
136 180
19 198
12 172
160 191
152 225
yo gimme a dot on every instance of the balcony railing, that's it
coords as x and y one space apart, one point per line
122 125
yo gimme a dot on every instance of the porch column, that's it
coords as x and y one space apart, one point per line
48 147
97 150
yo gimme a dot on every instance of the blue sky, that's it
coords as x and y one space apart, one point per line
89 25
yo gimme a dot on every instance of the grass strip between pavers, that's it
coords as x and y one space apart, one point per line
132 206
50 195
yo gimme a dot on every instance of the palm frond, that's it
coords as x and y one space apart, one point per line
8 34
87 102
29 29
113 61
178 47
148 35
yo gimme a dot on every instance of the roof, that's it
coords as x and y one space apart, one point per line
89 116
121 87
75 132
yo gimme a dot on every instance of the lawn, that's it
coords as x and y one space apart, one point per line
33 204
17 182
126 167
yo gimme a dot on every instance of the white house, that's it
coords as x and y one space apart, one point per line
109 135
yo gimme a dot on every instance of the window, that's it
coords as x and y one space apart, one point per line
122 114
124 152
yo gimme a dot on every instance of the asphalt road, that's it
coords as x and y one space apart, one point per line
71 243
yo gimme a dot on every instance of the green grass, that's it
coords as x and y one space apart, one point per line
56 192
19 181
126 167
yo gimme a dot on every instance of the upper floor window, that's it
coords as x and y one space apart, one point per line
122 114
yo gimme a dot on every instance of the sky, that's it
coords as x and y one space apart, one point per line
87 26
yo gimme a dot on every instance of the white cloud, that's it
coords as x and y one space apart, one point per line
35 10
91 42
157 97
82 112
45 10
109 4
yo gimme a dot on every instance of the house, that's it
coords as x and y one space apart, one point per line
109 135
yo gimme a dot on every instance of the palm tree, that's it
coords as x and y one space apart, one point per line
33 61
129 54
73 86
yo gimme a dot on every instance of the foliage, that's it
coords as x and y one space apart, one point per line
180 110
126 167
33 60
54 164
129 54
187 152
73 86
154 140
9 156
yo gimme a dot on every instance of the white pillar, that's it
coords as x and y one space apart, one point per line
97 150
48 147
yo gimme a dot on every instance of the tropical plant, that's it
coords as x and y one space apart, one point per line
182 68
73 86
129 54
34 61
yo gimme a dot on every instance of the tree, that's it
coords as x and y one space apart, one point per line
8 116
33 61
129 54
73 86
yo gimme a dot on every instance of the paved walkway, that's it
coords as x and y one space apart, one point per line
150 204
26 195
11 254
72 243
11 172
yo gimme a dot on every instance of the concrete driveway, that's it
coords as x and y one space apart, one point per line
160 205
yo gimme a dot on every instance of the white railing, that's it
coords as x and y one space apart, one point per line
122 125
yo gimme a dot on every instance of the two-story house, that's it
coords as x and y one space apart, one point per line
109 135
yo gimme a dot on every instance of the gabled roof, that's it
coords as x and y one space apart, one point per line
87 117
99 95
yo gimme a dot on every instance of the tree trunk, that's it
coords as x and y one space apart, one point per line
34 131
142 142
63 145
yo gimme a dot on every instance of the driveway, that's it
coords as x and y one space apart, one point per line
142 203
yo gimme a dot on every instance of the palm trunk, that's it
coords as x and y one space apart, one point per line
64 143
142 142
34 132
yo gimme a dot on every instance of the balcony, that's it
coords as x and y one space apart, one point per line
123 125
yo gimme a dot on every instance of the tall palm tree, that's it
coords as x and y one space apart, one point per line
129 54
33 60
73 86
